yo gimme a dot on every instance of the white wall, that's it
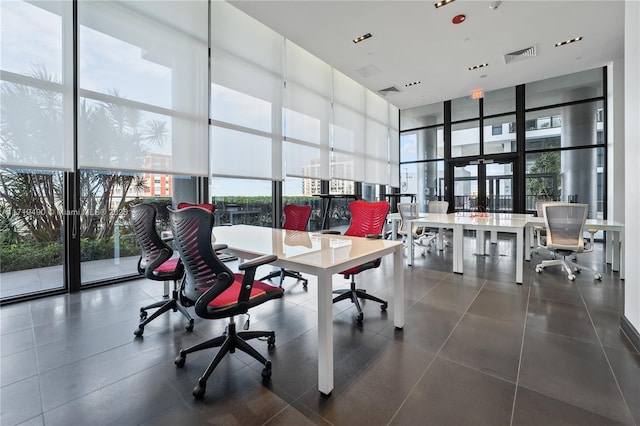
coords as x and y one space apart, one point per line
632 160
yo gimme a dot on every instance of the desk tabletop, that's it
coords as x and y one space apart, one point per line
311 249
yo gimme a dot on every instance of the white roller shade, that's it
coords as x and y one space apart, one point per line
306 114
36 84
246 96
376 139
143 86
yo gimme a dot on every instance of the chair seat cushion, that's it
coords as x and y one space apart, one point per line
357 269
259 293
167 267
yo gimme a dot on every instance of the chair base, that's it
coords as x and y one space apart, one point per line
354 294
569 266
228 343
173 304
283 273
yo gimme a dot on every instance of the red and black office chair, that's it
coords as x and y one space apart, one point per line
156 263
367 220
296 219
217 292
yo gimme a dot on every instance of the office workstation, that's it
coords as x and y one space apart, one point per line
229 103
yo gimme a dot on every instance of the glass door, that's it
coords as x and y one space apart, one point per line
483 185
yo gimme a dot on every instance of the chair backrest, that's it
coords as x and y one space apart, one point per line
540 207
408 211
207 206
565 225
367 218
296 217
192 228
437 206
154 250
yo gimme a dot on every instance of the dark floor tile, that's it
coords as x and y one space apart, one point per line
561 318
296 415
64 384
371 384
503 306
534 409
572 371
626 367
20 401
485 344
34 421
449 394
607 325
130 401
427 326
556 288
603 295
453 295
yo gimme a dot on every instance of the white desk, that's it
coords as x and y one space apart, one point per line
614 242
322 255
494 222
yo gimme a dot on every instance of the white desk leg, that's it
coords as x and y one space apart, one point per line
325 334
519 254
615 259
410 244
398 288
394 229
458 249
608 246
480 243
528 242
440 245
494 237
621 256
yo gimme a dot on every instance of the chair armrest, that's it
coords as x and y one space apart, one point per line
218 247
258 261
374 236
163 256
330 232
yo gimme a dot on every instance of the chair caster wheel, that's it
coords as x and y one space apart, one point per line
384 306
180 360
598 277
139 331
143 314
190 326
538 270
266 371
200 389
572 277
271 341
360 318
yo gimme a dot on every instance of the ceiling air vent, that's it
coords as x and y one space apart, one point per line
528 52
392 89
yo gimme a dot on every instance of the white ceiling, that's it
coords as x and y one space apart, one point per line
414 41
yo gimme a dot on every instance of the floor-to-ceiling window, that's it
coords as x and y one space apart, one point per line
562 147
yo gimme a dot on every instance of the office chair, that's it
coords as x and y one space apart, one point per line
409 211
439 207
296 219
367 220
565 229
217 292
156 263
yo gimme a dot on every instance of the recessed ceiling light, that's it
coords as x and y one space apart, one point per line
478 66
412 84
573 40
362 37
442 3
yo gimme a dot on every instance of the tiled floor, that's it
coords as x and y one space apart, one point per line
476 349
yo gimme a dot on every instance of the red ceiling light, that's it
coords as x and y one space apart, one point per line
458 19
